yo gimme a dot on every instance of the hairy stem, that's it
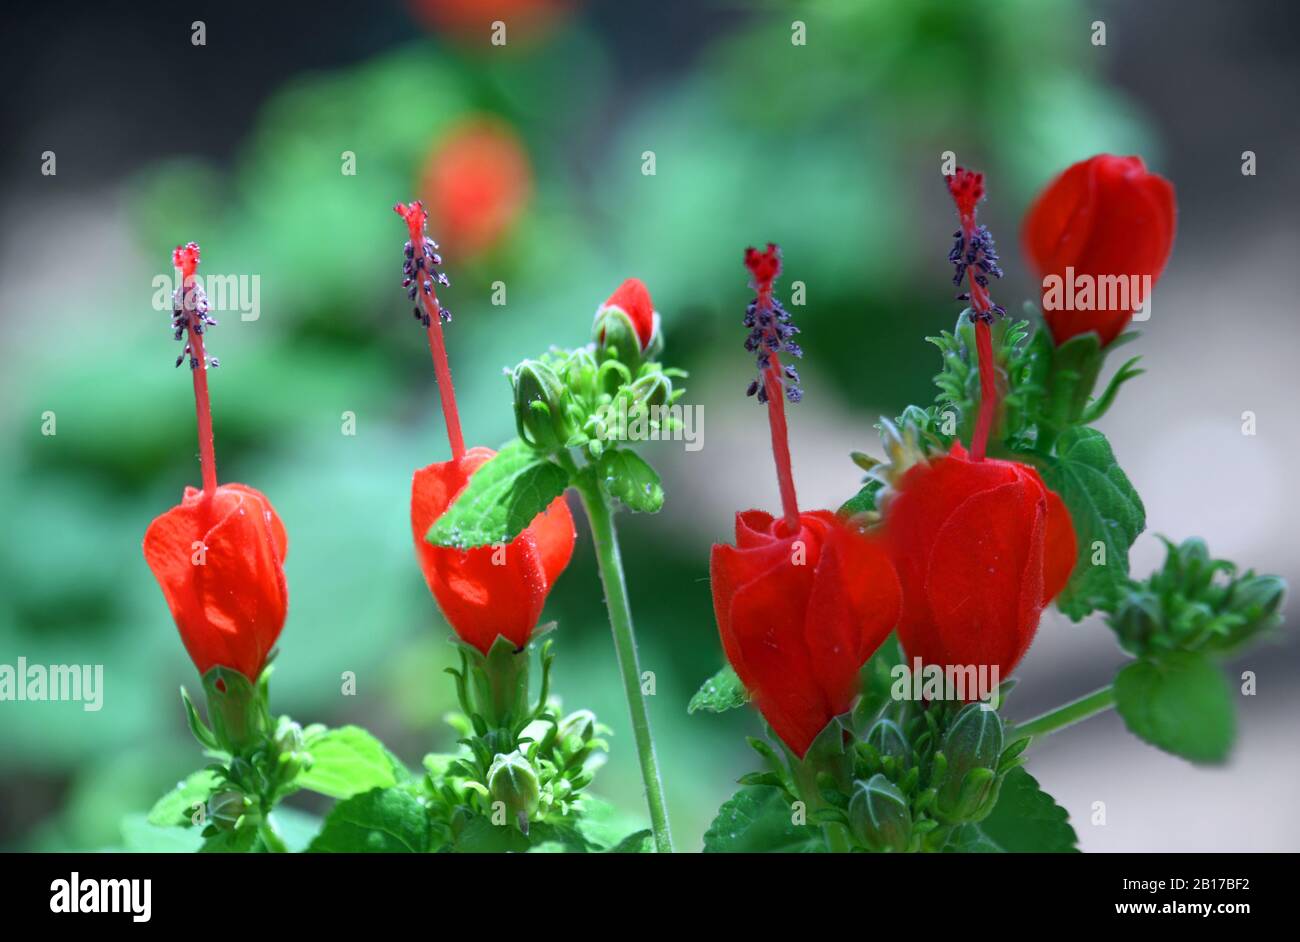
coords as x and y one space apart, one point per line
597 504
1067 715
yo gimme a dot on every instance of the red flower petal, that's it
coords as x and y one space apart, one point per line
488 591
633 298
231 608
1102 216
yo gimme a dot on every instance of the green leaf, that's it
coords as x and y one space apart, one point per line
969 839
348 761
638 842
176 808
877 678
243 840
757 820
628 477
385 820
1104 508
502 497
1179 703
864 501
481 836
139 836
720 693
1027 820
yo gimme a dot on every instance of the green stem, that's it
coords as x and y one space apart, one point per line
1096 702
804 773
271 837
597 505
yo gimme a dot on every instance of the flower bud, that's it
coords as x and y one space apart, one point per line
653 389
972 747
539 406
225 808
511 780
886 737
879 815
616 337
579 726
1257 599
1137 621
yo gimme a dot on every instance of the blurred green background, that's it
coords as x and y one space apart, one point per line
831 148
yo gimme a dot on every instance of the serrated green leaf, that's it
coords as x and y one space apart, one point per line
1179 703
720 693
1028 820
481 836
969 839
758 820
139 836
385 820
176 808
638 842
628 477
864 501
244 840
348 761
1105 508
502 497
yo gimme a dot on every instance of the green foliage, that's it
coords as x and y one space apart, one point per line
347 761
1178 702
628 477
177 807
720 693
1104 508
957 403
383 820
758 819
502 498
1025 820
1196 602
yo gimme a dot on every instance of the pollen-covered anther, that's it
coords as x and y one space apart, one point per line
191 313
419 268
770 328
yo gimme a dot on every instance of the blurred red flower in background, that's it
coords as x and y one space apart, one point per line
476 183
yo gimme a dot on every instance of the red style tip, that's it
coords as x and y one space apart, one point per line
765 266
416 216
186 258
967 189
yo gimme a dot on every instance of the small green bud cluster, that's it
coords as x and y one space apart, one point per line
1196 602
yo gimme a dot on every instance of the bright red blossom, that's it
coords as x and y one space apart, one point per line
1103 216
220 566
219 554
632 297
799 614
981 547
488 591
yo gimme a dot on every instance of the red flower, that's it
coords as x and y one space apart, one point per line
488 591
219 563
632 297
1103 216
981 547
799 614
476 183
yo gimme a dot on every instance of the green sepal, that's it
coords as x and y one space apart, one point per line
200 730
237 709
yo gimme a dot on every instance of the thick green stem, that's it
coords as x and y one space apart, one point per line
597 504
271 836
804 772
1096 702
